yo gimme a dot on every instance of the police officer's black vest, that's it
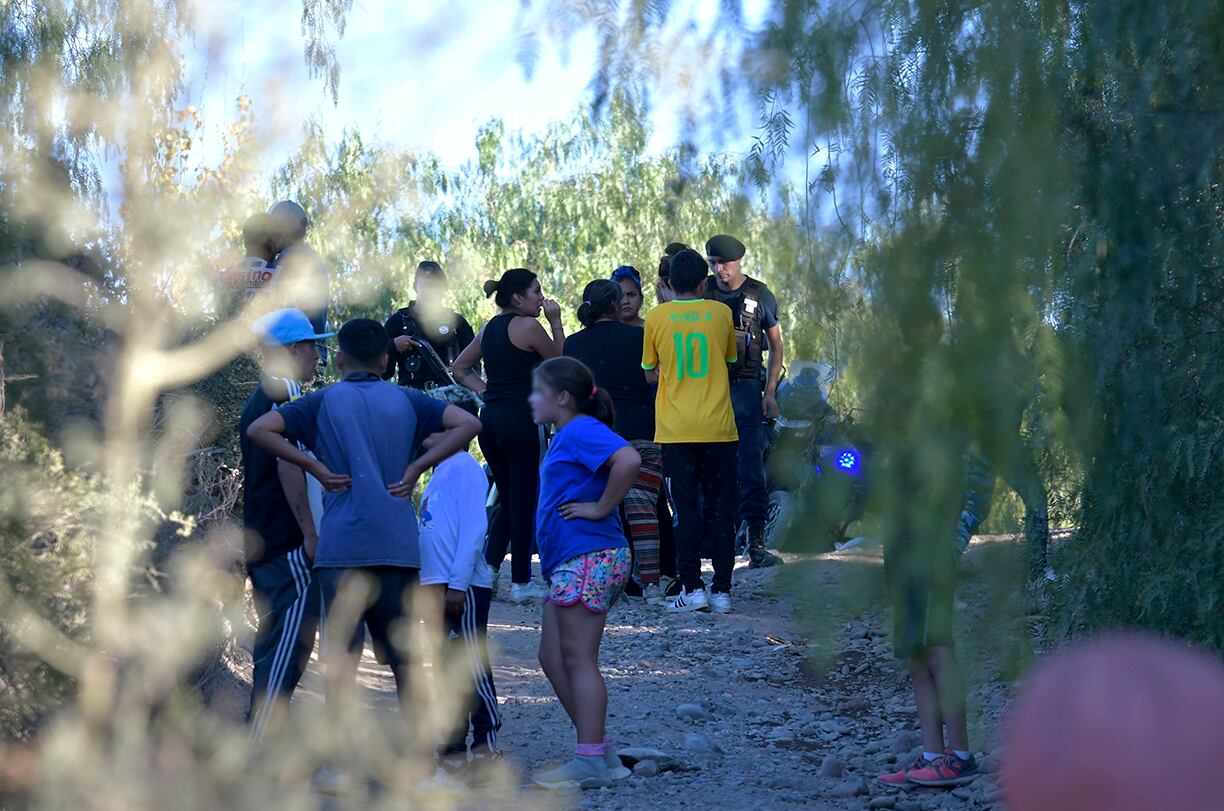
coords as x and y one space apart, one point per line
749 336
446 345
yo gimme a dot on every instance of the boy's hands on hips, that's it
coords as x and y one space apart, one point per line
455 600
332 482
404 487
590 510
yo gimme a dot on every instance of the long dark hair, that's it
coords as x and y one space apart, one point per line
514 282
572 375
600 299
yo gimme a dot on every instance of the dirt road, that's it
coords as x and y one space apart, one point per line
794 699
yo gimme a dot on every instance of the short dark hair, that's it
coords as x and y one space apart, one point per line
363 339
671 250
428 267
258 229
688 270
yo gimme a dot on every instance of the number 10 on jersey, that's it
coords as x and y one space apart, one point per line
692 355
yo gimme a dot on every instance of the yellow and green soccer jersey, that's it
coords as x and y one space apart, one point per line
691 342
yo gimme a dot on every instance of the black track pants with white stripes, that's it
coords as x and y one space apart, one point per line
468 640
287 599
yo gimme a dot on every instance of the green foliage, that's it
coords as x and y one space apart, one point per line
1143 307
47 532
572 203
1029 196
1034 189
1008 240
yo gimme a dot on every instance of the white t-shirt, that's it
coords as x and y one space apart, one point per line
250 275
453 525
314 488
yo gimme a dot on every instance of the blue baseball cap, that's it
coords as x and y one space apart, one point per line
285 327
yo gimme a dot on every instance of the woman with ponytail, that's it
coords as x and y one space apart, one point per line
511 345
612 350
584 477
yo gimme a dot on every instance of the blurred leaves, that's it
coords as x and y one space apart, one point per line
1007 240
572 203
1028 196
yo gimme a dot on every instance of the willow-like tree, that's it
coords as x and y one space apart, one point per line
1030 193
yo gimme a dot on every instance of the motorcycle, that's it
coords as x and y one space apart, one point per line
814 458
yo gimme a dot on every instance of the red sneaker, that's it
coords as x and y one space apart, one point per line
946 770
900 778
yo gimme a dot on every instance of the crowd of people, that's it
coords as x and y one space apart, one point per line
622 455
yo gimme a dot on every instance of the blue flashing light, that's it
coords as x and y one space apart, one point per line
848 459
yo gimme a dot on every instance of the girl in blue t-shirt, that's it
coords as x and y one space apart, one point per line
583 554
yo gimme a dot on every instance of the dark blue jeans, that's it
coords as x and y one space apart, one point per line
750 422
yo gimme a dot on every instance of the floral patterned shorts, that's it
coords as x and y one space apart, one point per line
594 579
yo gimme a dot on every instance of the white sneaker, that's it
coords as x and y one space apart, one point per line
652 593
581 772
689 601
720 602
526 592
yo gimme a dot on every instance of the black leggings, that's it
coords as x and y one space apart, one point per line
667 536
510 442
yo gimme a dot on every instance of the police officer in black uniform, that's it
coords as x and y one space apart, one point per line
753 385
425 320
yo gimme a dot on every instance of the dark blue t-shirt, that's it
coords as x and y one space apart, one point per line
369 430
271 529
574 470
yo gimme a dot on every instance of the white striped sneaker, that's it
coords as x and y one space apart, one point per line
689 601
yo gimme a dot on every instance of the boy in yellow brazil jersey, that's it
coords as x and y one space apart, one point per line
689 342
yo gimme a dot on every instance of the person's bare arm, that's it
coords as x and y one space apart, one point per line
463 367
625 465
526 333
293 482
268 432
769 402
459 428
663 291
652 376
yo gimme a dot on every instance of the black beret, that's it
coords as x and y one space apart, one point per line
725 246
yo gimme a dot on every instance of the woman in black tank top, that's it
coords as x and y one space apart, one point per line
507 368
511 345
